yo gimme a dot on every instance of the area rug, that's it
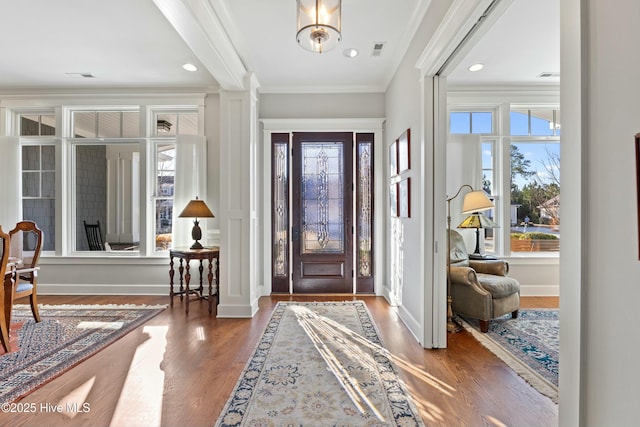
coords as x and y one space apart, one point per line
320 364
530 345
66 335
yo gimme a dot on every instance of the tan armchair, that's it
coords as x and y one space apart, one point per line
480 289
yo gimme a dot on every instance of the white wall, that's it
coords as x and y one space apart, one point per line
602 271
406 236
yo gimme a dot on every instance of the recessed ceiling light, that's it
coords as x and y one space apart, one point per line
190 67
476 67
350 53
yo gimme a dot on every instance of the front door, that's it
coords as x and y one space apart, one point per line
322 212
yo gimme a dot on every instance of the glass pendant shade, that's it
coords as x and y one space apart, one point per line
319 24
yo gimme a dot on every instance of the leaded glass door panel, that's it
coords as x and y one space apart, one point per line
322 212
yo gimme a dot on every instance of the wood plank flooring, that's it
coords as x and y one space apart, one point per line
179 370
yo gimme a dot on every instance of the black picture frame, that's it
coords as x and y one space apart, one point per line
637 147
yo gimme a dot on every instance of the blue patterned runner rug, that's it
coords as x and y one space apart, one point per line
529 345
320 364
66 335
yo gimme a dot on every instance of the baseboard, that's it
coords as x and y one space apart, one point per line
236 311
102 289
411 323
539 290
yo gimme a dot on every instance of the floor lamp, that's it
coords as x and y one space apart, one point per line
474 202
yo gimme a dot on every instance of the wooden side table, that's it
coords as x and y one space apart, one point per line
185 255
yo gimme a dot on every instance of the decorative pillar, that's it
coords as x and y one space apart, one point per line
239 175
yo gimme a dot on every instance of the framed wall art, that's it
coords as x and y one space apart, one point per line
404 151
404 198
393 158
393 199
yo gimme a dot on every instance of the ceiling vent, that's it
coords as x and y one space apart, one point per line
548 74
377 49
80 75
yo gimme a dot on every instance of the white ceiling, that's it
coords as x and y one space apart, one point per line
143 43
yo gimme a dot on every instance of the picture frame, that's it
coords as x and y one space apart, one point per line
404 151
393 158
637 147
404 198
393 200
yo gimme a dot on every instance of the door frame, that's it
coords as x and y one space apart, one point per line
357 125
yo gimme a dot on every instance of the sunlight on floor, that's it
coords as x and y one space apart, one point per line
73 403
140 402
100 325
321 330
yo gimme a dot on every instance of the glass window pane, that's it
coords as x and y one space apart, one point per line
364 209
482 122
47 124
322 201
30 158
166 169
487 167
460 122
542 123
164 224
108 190
166 124
130 124
29 125
519 123
42 212
188 124
31 184
84 124
48 184
109 123
48 153
535 197
281 209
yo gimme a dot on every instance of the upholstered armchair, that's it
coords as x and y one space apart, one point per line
480 289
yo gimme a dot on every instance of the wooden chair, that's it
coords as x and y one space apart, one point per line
6 290
94 236
26 245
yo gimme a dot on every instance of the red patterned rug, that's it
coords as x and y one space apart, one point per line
67 335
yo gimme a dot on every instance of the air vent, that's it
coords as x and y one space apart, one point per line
548 74
377 49
81 75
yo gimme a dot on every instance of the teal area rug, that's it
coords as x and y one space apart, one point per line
320 364
530 345
66 335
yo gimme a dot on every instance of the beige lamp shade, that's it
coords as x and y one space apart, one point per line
476 201
196 209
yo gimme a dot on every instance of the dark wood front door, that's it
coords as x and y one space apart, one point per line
322 212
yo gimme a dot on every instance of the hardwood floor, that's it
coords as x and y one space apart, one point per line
179 370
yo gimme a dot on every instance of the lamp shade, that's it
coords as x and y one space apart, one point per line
476 201
319 24
196 209
477 220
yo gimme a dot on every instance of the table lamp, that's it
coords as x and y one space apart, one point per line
196 209
474 202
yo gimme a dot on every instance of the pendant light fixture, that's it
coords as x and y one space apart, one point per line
319 24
